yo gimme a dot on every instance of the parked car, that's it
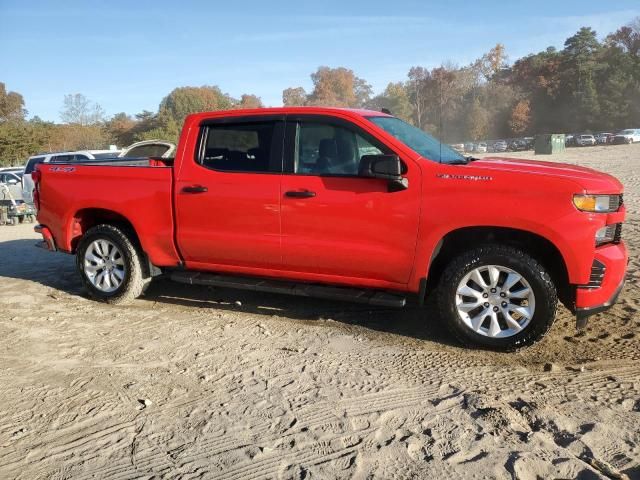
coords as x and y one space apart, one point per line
468 147
58 157
481 147
630 135
13 183
500 146
603 138
147 148
222 213
585 140
518 145
458 147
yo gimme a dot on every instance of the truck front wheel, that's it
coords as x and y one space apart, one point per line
497 297
110 265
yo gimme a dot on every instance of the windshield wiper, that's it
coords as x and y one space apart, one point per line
462 161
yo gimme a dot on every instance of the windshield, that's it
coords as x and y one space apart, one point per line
626 132
417 140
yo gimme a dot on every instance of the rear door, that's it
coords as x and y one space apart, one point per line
228 197
337 225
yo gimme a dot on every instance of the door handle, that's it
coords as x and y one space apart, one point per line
195 189
300 194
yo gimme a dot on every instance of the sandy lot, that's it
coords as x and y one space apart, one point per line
193 382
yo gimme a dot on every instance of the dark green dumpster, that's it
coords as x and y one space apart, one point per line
549 143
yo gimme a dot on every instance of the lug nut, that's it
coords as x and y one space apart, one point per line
504 304
493 290
486 305
495 309
485 295
502 294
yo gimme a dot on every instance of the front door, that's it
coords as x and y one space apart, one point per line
337 225
228 197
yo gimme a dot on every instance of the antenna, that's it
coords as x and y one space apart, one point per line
440 117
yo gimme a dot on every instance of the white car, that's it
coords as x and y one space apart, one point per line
481 148
59 157
630 135
585 140
603 138
147 148
13 181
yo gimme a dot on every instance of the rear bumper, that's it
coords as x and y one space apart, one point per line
590 301
48 242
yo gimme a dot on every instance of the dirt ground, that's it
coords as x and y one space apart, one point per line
191 382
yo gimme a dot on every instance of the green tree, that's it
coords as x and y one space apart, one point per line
396 99
11 105
294 97
183 101
581 55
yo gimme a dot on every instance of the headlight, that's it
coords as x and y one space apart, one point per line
597 203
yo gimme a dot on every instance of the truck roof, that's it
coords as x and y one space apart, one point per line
355 112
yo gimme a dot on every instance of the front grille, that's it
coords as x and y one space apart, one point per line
617 236
598 270
615 202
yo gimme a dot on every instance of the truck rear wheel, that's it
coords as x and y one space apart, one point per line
497 297
110 265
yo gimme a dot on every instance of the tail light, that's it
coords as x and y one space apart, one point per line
36 176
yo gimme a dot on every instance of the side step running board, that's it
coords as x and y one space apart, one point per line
370 297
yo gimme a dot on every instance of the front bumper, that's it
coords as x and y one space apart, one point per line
590 301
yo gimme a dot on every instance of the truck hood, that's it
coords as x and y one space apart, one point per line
590 180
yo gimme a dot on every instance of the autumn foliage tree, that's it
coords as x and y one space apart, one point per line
589 85
338 87
520 117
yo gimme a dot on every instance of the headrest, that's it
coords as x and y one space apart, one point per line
328 148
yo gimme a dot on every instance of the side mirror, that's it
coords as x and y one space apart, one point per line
387 167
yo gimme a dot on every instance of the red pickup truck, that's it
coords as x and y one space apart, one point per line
349 205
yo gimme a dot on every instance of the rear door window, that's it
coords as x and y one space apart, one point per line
241 147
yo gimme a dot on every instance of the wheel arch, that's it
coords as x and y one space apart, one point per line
542 249
87 218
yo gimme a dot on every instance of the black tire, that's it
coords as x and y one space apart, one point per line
546 297
136 279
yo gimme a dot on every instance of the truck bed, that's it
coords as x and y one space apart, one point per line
74 195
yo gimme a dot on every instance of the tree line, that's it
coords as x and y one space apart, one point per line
590 85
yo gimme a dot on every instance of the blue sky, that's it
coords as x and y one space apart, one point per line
126 56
